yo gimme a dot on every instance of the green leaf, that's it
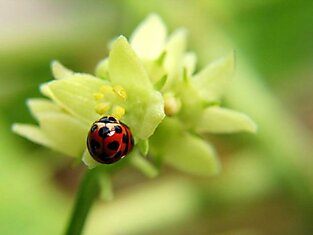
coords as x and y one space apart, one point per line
222 120
143 165
148 39
213 80
76 95
59 71
183 150
144 106
66 132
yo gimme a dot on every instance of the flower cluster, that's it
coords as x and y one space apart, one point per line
149 83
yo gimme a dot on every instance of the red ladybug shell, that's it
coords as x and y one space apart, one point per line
109 140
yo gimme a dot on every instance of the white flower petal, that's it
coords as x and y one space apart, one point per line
76 95
40 105
145 107
190 62
182 150
88 160
175 51
39 136
222 120
148 39
102 69
66 132
33 133
59 71
215 78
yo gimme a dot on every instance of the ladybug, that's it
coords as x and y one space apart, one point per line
109 140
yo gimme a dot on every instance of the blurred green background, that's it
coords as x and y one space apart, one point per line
266 183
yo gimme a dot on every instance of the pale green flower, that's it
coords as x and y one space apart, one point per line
151 85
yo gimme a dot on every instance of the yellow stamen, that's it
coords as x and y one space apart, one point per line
98 96
118 112
105 89
102 108
120 91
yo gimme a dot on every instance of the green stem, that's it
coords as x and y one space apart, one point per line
88 191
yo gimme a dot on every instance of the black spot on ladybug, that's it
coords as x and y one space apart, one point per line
112 119
118 155
114 145
110 160
103 156
94 145
118 129
104 131
108 119
94 128
125 138
115 140
104 119
126 150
